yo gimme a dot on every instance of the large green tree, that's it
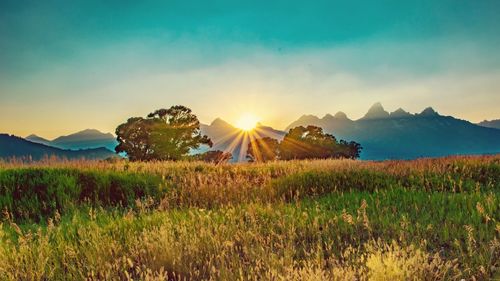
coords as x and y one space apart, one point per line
166 134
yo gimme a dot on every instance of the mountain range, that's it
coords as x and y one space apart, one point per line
19 148
85 139
383 135
402 135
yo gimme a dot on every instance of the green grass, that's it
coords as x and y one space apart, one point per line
37 194
319 220
268 232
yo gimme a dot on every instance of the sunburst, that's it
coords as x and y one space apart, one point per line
247 122
240 140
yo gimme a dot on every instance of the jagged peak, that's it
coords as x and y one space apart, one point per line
400 113
376 111
429 111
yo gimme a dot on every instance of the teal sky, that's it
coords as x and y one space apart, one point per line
71 65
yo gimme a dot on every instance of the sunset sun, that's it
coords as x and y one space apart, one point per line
247 122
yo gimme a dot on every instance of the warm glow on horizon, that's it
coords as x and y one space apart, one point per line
247 122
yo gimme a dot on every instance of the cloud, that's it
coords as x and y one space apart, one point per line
134 77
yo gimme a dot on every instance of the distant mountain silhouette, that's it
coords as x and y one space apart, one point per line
401 135
490 124
329 123
383 135
376 112
228 138
36 139
12 146
85 139
400 113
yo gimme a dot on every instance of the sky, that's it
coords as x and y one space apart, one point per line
70 65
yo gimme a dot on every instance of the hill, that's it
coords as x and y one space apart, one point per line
85 139
401 135
12 146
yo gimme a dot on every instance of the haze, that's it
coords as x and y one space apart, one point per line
66 66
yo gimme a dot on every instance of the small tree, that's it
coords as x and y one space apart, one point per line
262 150
166 134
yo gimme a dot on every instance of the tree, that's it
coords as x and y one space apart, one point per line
307 142
262 150
351 150
311 142
166 134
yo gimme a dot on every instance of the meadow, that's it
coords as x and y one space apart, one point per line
426 219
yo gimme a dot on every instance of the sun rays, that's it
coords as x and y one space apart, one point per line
237 142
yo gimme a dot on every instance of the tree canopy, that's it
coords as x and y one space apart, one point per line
303 143
166 134
263 149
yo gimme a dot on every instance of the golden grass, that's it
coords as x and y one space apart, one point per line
440 221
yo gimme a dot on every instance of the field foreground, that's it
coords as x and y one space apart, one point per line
429 219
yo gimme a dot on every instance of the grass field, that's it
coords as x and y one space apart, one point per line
428 219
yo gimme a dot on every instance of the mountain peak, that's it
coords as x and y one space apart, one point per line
306 119
88 138
308 116
90 131
16 147
37 139
218 122
399 113
87 133
376 111
340 115
428 112
33 136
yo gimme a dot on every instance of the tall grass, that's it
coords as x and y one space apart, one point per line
36 194
24 188
364 235
429 219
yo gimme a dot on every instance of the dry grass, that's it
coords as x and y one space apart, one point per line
429 219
